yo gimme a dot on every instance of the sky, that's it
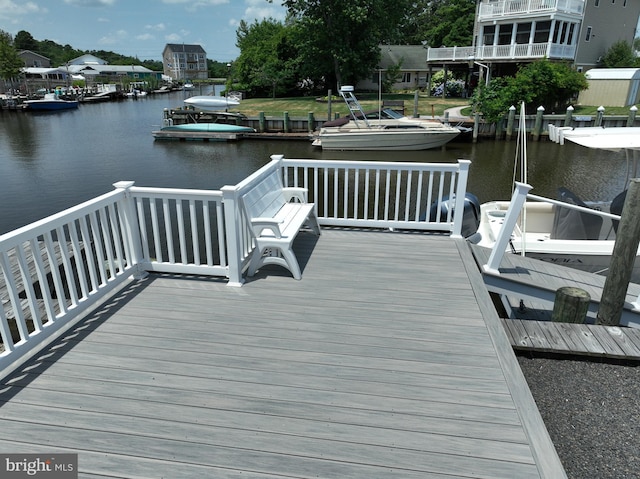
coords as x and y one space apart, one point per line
139 28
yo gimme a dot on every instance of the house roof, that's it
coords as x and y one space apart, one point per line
29 52
613 74
183 47
412 57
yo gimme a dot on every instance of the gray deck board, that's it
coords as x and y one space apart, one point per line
385 360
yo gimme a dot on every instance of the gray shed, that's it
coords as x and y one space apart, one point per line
611 87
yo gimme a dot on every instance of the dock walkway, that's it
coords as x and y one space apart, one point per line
386 360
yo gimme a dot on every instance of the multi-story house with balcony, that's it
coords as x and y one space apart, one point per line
184 62
511 32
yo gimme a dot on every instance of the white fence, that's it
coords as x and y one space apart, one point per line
57 269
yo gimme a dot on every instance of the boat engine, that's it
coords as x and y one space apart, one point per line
471 217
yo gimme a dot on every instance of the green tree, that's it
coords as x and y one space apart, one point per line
267 61
619 55
541 83
438 23
339 40
24 41
10 62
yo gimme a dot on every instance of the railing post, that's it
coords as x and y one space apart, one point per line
132 230
461 190
233 222
515 206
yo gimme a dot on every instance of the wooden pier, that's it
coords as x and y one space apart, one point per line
386 360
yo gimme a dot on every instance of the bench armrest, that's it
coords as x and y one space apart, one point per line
299 194
272 224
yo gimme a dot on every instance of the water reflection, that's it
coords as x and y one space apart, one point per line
53 161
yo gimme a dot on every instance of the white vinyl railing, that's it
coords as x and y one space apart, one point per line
528 7
383 194
502 52
57 269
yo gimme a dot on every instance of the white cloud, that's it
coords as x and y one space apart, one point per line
113 38
91 3
159 27
11 10
145 37
172 38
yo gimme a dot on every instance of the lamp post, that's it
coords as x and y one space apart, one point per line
228 86
472 61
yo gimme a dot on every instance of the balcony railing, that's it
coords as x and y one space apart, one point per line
505 8
502 52
54 271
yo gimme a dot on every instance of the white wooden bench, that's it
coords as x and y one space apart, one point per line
276 215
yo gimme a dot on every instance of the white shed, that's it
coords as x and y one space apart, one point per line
611 87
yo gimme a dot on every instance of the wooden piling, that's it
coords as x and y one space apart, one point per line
571 305
624 254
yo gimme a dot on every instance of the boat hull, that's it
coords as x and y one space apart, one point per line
418 139
210 127
211 103
50 105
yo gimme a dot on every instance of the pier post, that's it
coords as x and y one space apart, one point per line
599 116
262 122
622 259
570 305
632 116
311 122
476 122
329 93
510 121
537 128
416 98
286 122
568 115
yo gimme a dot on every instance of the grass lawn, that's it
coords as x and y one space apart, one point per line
299 107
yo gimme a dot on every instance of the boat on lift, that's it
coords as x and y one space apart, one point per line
211 102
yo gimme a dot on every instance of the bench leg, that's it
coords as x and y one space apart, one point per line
280 256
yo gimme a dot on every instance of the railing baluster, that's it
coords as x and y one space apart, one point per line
108 244
89 254
156 230
142 228
55 271
99 247
168 230
14 298
407 205
376 198
181 233
32 304
120 258
41 272
66 265
77 260
195 241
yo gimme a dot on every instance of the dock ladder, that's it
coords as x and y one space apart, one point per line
350 99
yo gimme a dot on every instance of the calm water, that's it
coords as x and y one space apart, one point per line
51 161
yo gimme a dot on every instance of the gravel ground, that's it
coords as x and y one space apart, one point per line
592 412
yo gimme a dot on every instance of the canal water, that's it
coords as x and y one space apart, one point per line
51 161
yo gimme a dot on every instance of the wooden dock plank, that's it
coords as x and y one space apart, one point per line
378 363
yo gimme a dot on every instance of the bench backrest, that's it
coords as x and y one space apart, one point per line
266 197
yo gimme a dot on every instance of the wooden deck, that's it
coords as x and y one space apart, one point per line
386 360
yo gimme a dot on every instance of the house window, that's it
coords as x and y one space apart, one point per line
523 32
543 29
406 77
597 3
504 34
588 37
488 34
572 30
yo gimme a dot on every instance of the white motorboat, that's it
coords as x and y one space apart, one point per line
399 133
210 102
566 231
